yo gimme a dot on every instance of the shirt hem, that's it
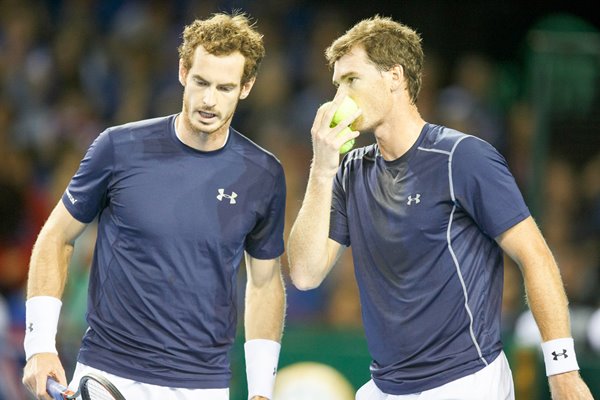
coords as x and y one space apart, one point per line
144 377
412 388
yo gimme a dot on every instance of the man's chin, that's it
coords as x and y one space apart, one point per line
204 128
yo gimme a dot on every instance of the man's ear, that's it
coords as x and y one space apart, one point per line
397 76
246 87
182 73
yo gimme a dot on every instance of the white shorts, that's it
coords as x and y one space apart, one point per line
133 390
494 382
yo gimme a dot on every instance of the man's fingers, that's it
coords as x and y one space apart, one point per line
324 116
351 118
40 388
61 376
319 117
37 370
345 135
326 111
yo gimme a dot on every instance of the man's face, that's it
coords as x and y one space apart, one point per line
212 89
357 77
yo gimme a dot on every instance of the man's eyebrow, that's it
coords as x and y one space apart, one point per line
197 76
336 82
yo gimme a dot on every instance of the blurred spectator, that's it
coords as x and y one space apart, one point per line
520 131
468 103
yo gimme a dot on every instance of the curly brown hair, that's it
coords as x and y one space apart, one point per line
223 34
387 43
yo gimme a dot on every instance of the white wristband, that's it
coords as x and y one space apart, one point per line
559 356
262 357
41 322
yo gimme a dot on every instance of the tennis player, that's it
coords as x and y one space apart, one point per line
428 212
179 200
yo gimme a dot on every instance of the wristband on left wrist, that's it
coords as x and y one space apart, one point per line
262 357
559 356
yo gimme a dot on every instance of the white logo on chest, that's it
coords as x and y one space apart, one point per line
223 195
416 199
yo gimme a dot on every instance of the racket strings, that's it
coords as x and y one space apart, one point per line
96 391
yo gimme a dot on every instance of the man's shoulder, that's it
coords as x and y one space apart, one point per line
360 155
254 153
447 140
442 138
142 127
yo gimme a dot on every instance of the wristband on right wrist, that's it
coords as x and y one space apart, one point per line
41 322
559 356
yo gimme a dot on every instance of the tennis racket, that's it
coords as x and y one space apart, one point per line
91 387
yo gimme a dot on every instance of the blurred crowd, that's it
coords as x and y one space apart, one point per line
71 68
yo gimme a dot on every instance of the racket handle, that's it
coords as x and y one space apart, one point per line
56 390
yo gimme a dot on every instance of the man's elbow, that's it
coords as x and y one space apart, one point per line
303 281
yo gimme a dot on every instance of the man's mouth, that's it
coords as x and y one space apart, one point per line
207 115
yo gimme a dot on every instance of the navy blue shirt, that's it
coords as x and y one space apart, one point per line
173 224
429 271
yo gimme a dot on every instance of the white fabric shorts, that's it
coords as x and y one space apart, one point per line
494 382
133 390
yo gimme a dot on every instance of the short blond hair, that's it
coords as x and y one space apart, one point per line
223 34
387 43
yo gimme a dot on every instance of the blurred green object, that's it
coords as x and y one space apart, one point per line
563 64
563 81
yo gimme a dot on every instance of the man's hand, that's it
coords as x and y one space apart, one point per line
569 386
326 142
37 370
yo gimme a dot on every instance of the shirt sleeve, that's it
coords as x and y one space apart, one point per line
338 221
265 241
484 187
86 194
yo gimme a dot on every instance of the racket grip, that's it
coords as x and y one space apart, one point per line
56 390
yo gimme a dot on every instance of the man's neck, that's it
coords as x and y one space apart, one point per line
199 140
398 133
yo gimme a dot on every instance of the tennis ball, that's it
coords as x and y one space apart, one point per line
346 147
347 108
308 380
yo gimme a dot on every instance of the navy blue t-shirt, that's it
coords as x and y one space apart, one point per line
429 271
173 224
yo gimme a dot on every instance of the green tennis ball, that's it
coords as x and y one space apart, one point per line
346 147
347 108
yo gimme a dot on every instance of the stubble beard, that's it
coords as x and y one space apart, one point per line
198 130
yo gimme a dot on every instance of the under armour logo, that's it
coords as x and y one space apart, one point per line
416 199
556 355
72 199
231 196
30 327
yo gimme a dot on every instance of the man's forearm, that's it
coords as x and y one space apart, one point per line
48 266
547 299
307 245
264 316
52 253
265 308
